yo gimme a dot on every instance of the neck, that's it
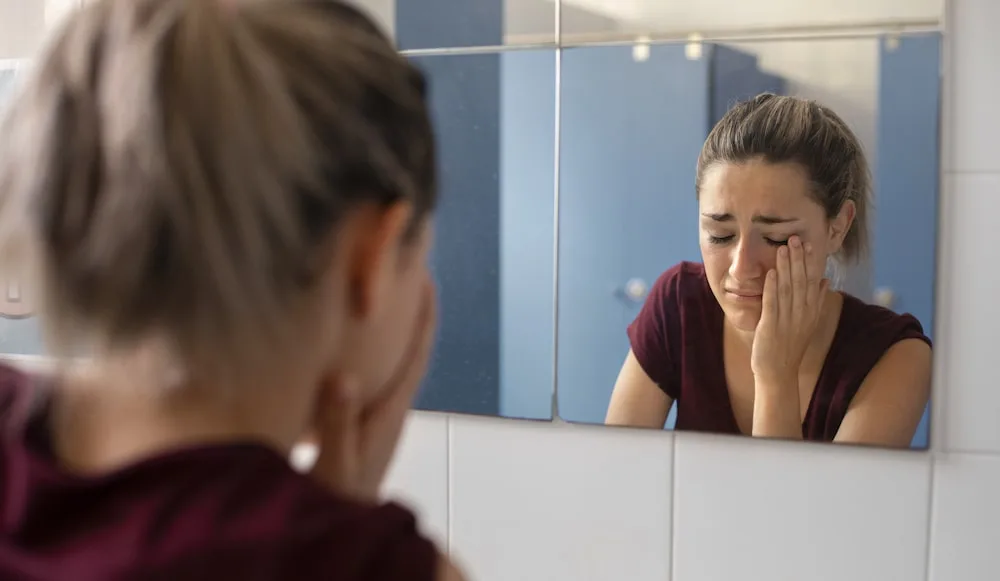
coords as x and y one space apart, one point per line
103 420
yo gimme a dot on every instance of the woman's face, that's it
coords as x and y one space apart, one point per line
746 212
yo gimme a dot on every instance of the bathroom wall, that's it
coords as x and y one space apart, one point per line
520 500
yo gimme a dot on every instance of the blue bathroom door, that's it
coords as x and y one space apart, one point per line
906 189
631 130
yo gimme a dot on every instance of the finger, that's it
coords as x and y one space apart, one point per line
383 424
413 366
797 261
385 417
814 279
769 301
784 280
337 418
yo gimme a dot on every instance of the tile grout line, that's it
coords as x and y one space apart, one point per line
448 509
928 540
673 507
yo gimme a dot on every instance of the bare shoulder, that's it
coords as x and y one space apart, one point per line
907 357
887 408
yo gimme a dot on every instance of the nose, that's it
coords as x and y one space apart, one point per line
745 265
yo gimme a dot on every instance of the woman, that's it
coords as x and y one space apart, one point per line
227 205
753 341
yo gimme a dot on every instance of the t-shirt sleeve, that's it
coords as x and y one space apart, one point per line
650 334
910 328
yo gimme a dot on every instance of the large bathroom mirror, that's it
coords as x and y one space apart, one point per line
663 263
493 257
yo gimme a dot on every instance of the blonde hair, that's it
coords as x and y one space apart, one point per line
791 129
176 168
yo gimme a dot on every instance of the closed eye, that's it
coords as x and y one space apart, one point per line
729 238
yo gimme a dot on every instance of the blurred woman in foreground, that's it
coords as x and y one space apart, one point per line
226 207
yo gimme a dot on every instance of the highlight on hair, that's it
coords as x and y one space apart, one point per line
780 129
176 169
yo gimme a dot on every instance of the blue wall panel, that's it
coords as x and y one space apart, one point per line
465 102
907 179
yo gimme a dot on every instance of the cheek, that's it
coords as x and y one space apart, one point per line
818 265
717 260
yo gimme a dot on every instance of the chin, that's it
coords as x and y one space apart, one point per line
743 319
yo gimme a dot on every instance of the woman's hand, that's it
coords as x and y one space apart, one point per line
791 309
357 442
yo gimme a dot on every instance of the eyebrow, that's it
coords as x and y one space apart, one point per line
758 218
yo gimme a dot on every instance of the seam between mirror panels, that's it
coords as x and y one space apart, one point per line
556 180
556 185
942 288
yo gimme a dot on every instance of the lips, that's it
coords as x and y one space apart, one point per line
743 294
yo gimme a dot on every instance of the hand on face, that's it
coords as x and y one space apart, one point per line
790 313
357 440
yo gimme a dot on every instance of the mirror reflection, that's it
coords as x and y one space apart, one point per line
747 237
20 333
493 257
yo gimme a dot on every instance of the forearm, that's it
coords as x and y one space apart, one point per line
776 409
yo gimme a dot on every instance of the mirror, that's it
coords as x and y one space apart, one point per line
493 257
633 122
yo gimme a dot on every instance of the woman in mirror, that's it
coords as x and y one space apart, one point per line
753 340
228 206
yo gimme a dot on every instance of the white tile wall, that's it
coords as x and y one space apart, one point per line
521 501
517 488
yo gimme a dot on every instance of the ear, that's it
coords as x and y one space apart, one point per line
378 239
841 224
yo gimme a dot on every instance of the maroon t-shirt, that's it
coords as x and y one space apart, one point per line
677 339
230 511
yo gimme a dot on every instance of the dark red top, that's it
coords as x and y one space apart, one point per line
677 339
233 511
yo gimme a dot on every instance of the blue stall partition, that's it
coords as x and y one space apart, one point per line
465 102
423 24
493 255
736 77
907 179
632 125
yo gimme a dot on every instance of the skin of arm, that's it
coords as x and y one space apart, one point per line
776 409
887 408
447 571
885 411
636 400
